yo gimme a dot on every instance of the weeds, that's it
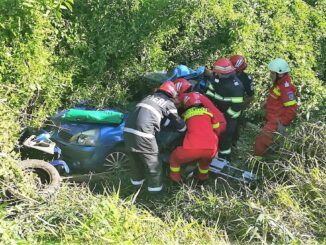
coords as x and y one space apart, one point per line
286 206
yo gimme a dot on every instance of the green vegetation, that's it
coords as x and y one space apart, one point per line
54 53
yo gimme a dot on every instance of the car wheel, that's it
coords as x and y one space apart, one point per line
116 160
46 179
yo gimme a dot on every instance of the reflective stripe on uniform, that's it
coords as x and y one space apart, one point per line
210 93
222 68
216 125
175 169
137 182
139 133
155 189
232 113
289 103
151 108
167 122
218 97
277 91
214 95
235 99
173 111
196 112
226 99
178 86
203 171
228 151
183 129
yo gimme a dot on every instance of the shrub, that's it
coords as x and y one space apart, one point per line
117 42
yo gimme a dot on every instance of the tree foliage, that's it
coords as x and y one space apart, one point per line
56 52
32 74
113 43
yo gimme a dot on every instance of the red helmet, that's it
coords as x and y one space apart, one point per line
169 88
191 99
239 62
223 66
182 85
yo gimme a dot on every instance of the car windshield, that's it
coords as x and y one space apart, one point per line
157 77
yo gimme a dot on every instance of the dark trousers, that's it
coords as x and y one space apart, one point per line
226 139
241 124
146 165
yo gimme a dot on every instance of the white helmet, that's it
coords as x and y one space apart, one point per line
279 66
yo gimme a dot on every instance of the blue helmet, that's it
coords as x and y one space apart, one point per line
182 71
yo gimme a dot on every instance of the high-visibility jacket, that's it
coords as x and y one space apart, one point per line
200 133
227 94
281 104
247 82
218 120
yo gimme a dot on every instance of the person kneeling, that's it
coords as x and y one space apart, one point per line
201 140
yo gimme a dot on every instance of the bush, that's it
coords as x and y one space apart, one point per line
32 76
50 58
117 42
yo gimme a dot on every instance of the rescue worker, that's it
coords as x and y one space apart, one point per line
239 63
226 91
281 105
183 86
201 140
139 133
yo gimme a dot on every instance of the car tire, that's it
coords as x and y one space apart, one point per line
117 160
47 179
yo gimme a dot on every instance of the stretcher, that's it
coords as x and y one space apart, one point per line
223 167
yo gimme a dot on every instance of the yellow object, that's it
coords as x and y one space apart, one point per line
203 171
175 169
196 112
216 125
289 103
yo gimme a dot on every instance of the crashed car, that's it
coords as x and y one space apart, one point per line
97 145
181 71
94 144
90 144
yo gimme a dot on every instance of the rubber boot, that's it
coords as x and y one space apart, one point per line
175 177
202 177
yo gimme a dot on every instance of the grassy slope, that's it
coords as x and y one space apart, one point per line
287 205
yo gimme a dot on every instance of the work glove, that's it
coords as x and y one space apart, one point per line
280 128
201 86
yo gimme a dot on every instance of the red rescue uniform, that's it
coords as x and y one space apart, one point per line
281 107
218 119
200 142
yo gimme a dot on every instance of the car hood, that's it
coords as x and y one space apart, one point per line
77 127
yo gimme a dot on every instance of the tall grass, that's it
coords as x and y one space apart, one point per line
286 206
79 216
